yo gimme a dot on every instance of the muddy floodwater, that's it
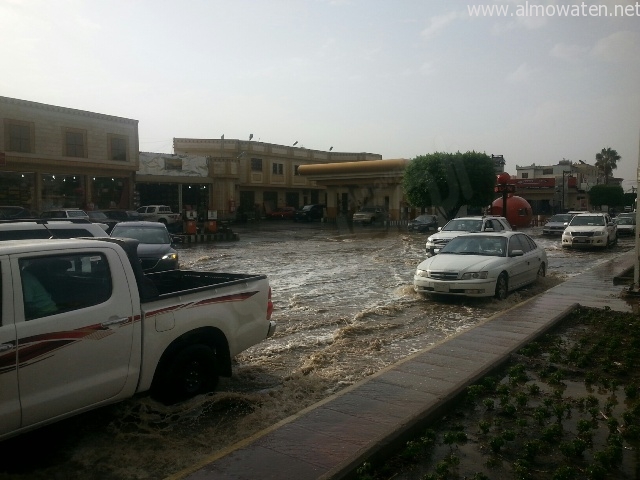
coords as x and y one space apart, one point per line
345 309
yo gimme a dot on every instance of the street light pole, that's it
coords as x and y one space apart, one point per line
563 174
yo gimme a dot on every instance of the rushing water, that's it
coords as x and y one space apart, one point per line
345 309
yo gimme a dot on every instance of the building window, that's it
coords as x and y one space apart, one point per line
295 169
75 143
117 147
278 168
547 171
525 175
256 165
19 136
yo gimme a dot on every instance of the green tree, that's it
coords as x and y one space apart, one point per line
610 195
606 161
448 181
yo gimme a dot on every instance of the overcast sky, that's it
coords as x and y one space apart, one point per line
399 78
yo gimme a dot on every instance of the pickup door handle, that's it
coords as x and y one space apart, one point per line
115 321
5 346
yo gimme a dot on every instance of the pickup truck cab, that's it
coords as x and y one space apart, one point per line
590 230
82 326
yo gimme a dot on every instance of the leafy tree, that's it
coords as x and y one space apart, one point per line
606 161
610 195
448 181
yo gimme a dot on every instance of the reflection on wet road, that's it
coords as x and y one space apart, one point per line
345 309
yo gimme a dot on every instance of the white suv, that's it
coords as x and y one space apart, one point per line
159 213
455 227
590 230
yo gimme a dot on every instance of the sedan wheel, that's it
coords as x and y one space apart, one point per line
502 286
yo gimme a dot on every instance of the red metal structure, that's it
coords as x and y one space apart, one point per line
515 209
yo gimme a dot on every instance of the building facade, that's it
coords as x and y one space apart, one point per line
57 157
561 187
251 178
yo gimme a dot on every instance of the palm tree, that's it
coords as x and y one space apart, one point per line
606 162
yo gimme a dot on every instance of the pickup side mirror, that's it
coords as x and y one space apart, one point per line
489 229
516 253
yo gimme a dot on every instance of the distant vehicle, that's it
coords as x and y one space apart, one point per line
100 218
370 215
155 249
482 265
556 224
423 223
162 214
12 213
72 213
28 229
590 230
626 224
123 215
281 213
456 226
65 213
309 213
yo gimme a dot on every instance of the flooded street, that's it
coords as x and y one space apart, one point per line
345 309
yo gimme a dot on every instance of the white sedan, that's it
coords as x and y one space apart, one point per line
482 265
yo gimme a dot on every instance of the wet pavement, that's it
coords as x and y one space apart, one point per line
336 435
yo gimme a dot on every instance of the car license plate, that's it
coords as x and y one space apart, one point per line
438 287
579 240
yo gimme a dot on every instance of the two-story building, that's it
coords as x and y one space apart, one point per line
256 176
54 157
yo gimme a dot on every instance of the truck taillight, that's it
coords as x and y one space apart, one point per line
269 306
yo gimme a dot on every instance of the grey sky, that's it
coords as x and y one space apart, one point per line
400 78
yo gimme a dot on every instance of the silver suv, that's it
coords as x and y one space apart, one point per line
49 228
455 227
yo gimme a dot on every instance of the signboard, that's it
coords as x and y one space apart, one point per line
504 188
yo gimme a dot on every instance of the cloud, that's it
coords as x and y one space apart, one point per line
565 51
618 47
520 74
427 69
437 24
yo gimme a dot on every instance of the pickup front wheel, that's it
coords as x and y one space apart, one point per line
192 372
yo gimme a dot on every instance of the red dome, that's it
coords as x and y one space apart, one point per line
519 213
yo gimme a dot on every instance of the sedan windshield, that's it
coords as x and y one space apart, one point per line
476 245
143 235
461 225
587 220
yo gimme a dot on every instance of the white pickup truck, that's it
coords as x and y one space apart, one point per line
82 326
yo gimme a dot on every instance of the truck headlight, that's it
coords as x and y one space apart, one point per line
422 273
599 233
474 276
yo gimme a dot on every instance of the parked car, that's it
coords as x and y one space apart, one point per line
456 226
309 213
101 219
162 214
12 213
123 215
281 213
482 265
423 223
590 230
27 229
65 213
370 215
626 224
556 224
155 249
